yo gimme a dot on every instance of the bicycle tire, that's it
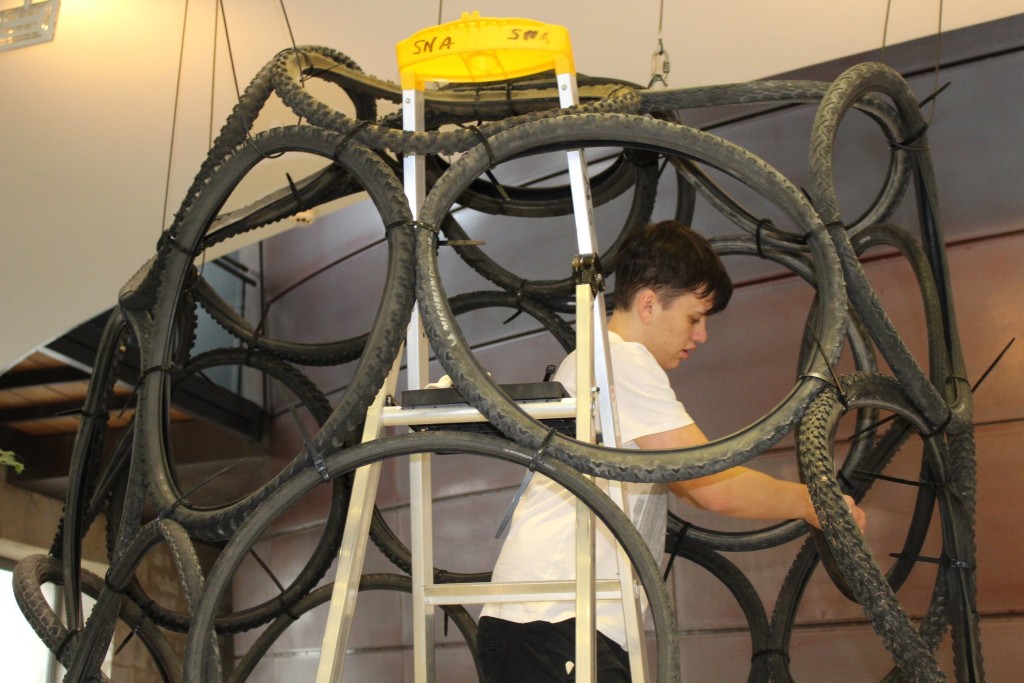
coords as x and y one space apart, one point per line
741 589
787 93
559 328
93 641
524 201
35 570
385 337
88 445
659 136
557 292
893 236
367 582
207 522
326 548
318 188
783 532
345 460
909 651
381 533
287 73
850 86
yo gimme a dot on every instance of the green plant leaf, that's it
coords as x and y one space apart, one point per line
9 458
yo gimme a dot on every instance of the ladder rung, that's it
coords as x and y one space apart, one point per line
538 591
541 410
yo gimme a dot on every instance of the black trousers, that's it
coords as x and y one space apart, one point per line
542 652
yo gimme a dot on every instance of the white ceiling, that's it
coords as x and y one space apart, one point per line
86 120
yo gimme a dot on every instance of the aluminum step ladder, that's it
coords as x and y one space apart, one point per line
476 49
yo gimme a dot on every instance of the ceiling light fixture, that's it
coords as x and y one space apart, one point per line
33 23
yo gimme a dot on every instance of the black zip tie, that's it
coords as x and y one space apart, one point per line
313 73
770 652
661 171
874 425
497 184
519 303
169 367
263 564
460 243
64 643
806 237
70 411
476 104
170 508
263 155
761 225
285 607
540 449
993 365
675 548
934 94
898 480
490 156
135 392
257 331
299 203
808 197
817 375
508 97
348 136
840 393
178 246
944 561
908 144
526 481
413 224
314 454
142 375
127 638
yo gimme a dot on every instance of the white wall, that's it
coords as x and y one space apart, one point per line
86 121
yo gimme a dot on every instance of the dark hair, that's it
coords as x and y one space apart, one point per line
672 259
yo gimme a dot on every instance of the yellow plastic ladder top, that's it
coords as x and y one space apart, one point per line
477 49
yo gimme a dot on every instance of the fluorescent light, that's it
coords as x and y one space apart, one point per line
28 25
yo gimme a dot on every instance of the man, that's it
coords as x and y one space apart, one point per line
668 281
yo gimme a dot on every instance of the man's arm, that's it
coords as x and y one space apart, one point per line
740 491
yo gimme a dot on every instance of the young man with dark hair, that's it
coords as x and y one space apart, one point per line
668 280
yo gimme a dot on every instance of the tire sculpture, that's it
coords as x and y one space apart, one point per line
638 132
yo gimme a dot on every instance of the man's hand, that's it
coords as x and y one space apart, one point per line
859 516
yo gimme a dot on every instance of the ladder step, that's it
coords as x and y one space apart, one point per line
446 409
445 396
539 591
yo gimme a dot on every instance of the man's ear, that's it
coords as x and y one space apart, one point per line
644 303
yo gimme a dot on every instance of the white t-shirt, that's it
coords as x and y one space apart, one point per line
541 542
